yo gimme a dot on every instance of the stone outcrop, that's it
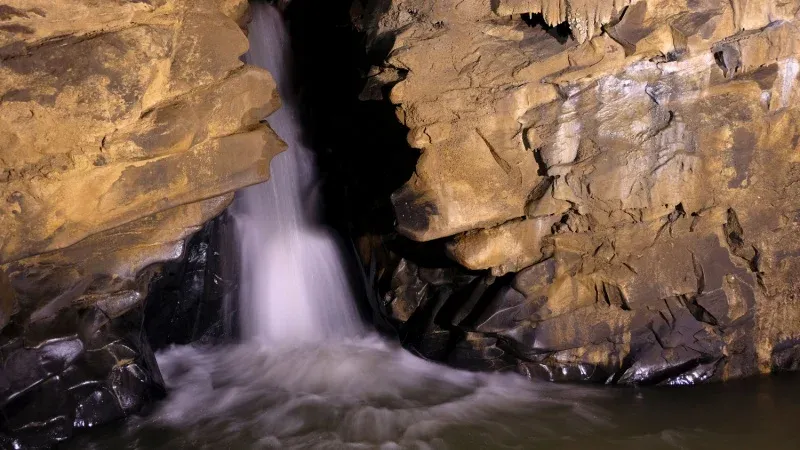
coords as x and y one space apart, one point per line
124 127
626 170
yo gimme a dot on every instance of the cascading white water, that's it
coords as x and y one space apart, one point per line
293 285
309 375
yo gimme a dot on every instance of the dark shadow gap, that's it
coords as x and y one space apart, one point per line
361 150
562 32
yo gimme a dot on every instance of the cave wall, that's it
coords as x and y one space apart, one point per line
624 197
605 190
125 126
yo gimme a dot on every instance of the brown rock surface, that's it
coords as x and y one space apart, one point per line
660 142
124 126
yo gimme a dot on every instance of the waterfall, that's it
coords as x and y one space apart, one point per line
293 284
309 375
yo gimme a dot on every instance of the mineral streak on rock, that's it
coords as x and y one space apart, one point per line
649 161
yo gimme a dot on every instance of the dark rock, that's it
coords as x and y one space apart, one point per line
476 351
98 373
191 300
556 371
562 329
786 356
130 384
507 310
408 291
42 435
95 407
7 299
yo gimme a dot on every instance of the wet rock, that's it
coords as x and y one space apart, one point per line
476 351
421 309
786 356
684 351
193 299
49 390
507 310
7 299
96 407
408 291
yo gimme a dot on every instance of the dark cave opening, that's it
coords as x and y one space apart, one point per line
361 147
561 31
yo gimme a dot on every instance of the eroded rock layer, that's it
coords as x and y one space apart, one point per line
124 127
627 171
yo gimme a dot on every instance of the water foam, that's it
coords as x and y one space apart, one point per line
361 393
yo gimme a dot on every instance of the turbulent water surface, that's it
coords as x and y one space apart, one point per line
367 394
309 375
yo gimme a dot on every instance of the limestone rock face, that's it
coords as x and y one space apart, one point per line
639 175
124 127
123 117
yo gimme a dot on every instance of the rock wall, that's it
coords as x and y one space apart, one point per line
124 127
625 195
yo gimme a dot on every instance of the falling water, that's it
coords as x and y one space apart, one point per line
293 284
311 377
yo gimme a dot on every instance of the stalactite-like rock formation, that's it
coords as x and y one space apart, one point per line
124 127
632 188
